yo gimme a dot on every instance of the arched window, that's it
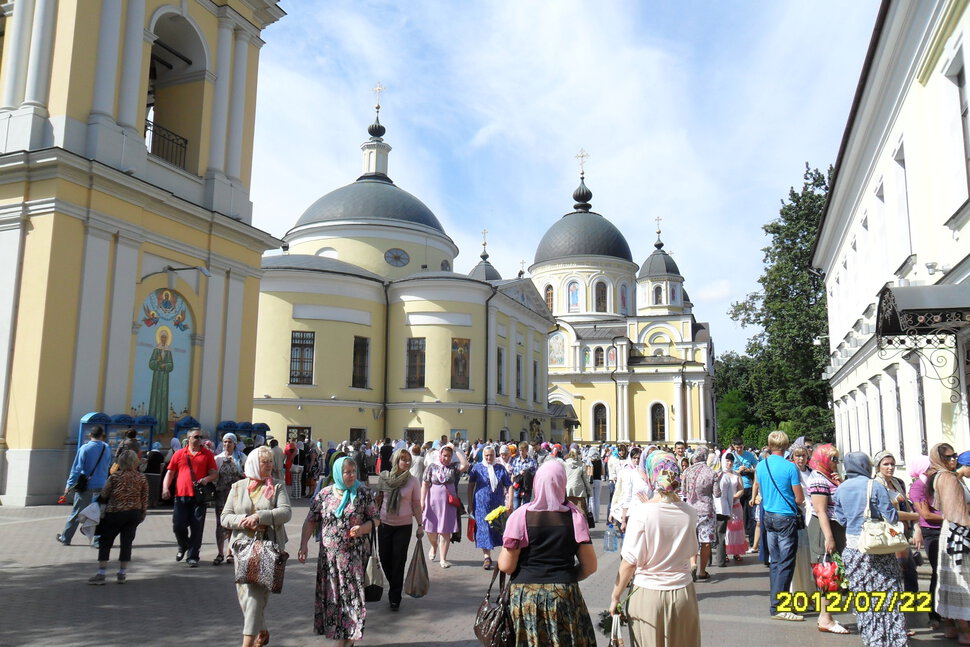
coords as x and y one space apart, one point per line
658 422
549 296
624 308
598 358
658 295
174 124
673 294
600 296
599 423
572 293
445 266
327 252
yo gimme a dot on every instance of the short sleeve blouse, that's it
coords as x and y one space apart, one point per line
819 484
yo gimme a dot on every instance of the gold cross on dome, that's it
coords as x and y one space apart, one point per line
658 219
582 156
522 264
377 90
484 237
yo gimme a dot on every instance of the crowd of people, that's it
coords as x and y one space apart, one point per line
679 511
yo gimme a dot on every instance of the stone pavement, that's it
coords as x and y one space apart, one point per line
45 600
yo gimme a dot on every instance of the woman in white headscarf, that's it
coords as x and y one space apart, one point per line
488 488
230 464
256 504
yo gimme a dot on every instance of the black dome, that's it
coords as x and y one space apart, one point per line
485 271
371 197
658 264
583 233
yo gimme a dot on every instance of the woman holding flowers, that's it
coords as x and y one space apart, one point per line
488 488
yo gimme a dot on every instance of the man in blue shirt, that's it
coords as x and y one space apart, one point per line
744 465
93 461
781 494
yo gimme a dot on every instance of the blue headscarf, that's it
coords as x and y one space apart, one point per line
338 480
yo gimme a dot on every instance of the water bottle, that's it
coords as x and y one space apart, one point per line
609 539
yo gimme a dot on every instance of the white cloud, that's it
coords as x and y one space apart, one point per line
703 115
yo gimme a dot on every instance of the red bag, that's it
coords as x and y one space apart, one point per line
454 500
826 575
471 528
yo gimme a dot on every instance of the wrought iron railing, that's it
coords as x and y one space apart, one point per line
165 144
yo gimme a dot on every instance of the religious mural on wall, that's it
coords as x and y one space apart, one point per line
163 359
459 363
557 350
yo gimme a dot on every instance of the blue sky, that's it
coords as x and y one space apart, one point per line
701 113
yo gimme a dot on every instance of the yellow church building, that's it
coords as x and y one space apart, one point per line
628 360
366 330
128 265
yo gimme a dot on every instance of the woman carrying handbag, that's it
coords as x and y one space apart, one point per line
256 504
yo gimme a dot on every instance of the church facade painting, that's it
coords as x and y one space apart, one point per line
163 358
557 349
459 363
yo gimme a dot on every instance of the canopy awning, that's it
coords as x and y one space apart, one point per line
921 313
564 412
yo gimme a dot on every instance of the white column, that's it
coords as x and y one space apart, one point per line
215 302
41 51
19 35
702 391
220 102
837 419
623 410
122 304
877 429
106 73
690 409
132 66
230 360
88 355
237 108
865 422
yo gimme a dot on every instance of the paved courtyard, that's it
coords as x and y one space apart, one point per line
45 600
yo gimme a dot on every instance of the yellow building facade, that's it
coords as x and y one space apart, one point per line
367 332
628 360
130 271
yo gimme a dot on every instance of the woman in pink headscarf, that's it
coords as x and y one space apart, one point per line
660 541
543 541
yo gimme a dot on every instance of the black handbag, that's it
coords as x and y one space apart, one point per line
205 493
82 478
493 621
373 575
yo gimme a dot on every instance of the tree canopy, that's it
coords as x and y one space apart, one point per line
780 376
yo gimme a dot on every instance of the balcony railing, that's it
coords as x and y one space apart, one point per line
165 144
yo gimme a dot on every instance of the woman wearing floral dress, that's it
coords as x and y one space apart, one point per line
488 488
700 488
346 513
440 516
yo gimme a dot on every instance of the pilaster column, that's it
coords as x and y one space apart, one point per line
702 392
19 35
220 103
491 360
237 108
41 50
689 412
106 73
876 418
132 66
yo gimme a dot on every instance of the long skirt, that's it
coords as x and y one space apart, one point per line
802 579
952 595
870 573
339 611
735 541
550 615
664 618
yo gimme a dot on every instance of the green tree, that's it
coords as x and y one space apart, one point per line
784 379
733 415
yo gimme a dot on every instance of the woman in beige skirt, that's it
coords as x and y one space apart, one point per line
661 538
256 504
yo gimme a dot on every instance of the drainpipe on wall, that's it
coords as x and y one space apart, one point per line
387 335
488 365
616 386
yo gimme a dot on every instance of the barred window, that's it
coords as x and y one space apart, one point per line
361 352
518 376
500 369
600 296
549 297
301 357
415 368
599 423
